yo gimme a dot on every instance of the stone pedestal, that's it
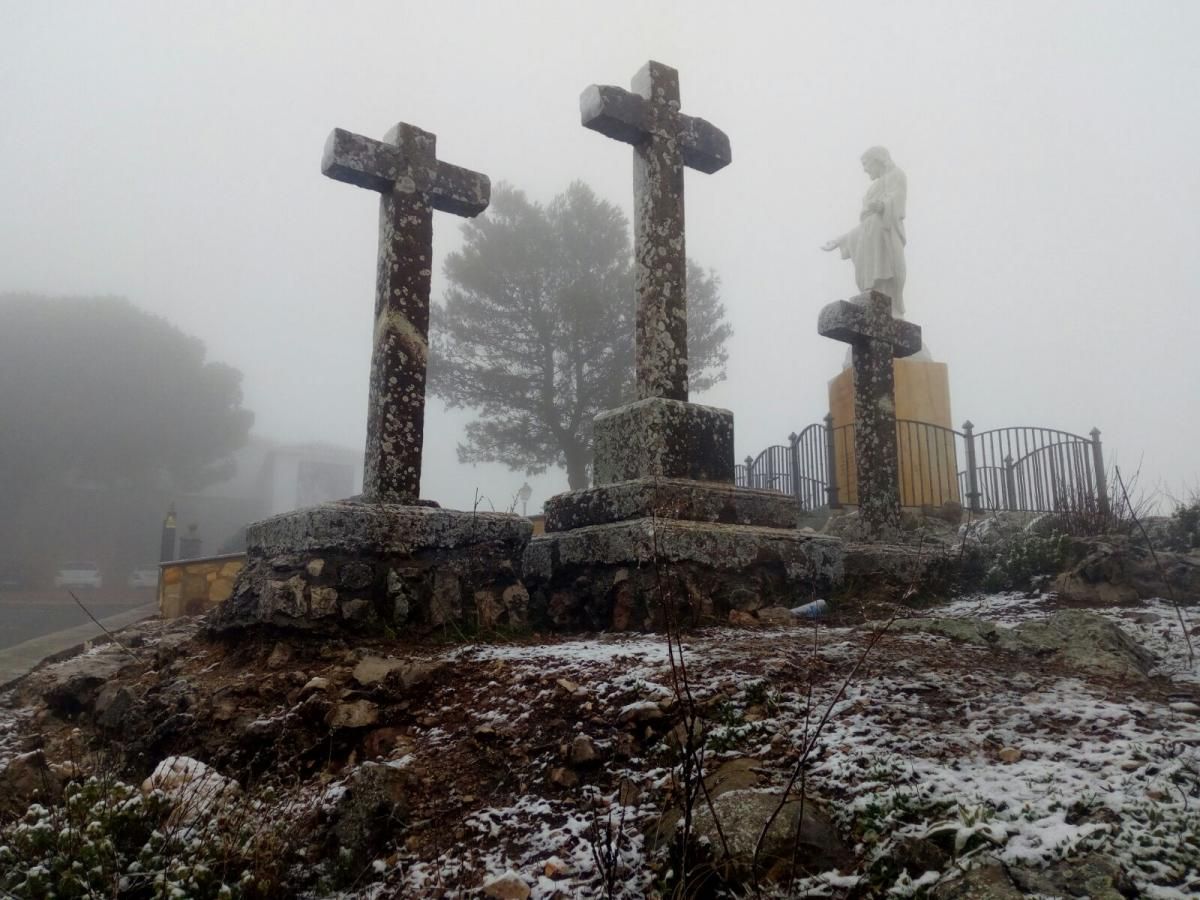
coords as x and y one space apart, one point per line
380 568
661 438
928 462
669 498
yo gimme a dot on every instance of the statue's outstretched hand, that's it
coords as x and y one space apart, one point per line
830 245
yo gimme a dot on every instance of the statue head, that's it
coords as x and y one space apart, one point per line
876 161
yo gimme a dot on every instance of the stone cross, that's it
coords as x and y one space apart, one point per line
404 169
664 141
866 324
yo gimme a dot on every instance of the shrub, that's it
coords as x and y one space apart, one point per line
109 839
1185 525
1023 557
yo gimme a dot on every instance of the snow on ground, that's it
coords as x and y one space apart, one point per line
1081 757
983 752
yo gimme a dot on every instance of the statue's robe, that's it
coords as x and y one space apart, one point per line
876 244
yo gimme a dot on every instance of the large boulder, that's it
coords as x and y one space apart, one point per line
1072 637
372 809
742 807
71 687
1114 569
196 791
744 813
1085 640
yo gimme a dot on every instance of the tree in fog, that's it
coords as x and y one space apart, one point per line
98 391
536 329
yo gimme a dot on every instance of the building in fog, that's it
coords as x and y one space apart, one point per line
119 527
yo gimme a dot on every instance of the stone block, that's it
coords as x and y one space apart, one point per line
670 498
661 438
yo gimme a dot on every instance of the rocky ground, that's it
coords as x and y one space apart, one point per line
1008 747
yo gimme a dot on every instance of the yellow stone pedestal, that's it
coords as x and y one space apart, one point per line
928 461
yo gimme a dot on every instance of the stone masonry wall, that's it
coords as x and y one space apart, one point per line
188 587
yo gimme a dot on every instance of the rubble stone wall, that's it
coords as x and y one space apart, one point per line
188 587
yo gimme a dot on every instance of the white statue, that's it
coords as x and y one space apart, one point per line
876 244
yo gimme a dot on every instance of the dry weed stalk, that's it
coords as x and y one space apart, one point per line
606 848
112 637
1158 565
799 771
694 727
695 731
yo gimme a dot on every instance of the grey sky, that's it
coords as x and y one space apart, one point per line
169 153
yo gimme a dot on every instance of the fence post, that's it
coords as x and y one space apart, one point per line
749 463
972 471
794 461
1010 484
1101 478
831 464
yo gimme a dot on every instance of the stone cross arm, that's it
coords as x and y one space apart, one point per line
406 160
632 116
857 322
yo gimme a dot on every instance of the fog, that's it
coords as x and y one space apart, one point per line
169 153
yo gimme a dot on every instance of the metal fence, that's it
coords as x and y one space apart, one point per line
1022 468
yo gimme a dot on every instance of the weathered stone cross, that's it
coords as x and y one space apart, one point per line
866 324
404 168
664 141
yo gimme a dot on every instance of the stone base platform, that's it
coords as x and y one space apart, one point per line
906 573
632 574
379 567
670 498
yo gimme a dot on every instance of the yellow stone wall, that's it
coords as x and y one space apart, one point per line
188 587
928 463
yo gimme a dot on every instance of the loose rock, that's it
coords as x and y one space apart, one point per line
197 790
583 751
743 813
509 886
355 714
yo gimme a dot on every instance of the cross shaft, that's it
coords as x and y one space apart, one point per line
412 182
664 142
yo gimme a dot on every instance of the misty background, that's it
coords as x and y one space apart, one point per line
169 154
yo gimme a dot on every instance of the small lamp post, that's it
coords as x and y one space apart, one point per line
167 543
523 494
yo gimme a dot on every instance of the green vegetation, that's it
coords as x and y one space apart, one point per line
108 839
1024 556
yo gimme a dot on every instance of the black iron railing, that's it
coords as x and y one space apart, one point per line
1023 468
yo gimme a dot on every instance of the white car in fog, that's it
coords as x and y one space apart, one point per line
78 575
143 577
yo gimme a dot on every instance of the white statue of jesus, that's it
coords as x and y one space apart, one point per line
876 244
